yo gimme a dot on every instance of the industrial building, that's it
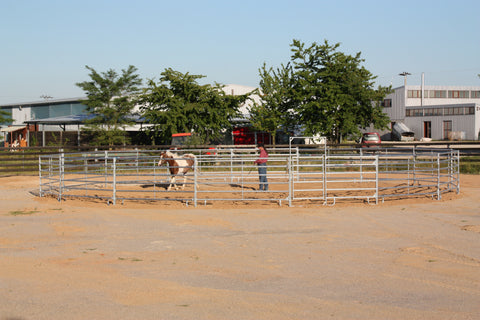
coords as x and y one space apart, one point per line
436 112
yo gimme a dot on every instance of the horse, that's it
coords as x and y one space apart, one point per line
177 165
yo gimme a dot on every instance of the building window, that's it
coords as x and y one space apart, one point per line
414 112
40 112
458 94
445 111
414 93
475 94
428 112
434 112
447 128
438 94
453 111
387 103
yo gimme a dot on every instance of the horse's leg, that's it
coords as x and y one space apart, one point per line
172 183
184 181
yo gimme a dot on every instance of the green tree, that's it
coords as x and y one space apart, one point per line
334 94
327 93
111 99
177 103
5 117
274 111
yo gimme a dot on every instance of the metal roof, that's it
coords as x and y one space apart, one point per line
12 128
43 102
72 119
76 119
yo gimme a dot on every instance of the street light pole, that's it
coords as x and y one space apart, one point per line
404 74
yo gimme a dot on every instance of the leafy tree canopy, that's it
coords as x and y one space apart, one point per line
177 103
274 112
5 117
325 91
111 99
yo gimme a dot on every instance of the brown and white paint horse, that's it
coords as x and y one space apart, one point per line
177 165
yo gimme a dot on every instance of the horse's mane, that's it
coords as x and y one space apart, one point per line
170 154
189 155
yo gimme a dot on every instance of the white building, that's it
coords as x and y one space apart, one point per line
236 90
436 112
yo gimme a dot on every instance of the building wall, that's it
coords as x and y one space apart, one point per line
463 123
44 109
236 90
443 97
397 110
433 95
20 114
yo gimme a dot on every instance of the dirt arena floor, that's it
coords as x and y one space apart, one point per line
76 259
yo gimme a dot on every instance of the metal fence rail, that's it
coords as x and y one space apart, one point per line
295 176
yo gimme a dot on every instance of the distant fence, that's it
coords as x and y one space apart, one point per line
24 161
296 176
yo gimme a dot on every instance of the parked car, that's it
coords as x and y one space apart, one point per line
370 139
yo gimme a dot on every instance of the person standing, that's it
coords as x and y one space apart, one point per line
261 162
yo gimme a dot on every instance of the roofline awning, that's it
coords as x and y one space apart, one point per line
12 129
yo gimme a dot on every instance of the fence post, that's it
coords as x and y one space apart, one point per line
439 194
298 163
106 167
242 174
324 168
361 165
40 175
457 171
408 176
136 161
85 170
154 180
290 181
414 168
50 170
60 175
195 166
114 182
231 165
376 178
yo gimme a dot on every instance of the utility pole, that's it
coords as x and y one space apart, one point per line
404 74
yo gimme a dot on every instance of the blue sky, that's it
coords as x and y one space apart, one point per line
45 45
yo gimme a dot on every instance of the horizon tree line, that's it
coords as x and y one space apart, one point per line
322 90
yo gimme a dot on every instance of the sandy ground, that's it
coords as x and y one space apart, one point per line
405 259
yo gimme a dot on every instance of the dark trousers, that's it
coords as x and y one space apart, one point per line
262 174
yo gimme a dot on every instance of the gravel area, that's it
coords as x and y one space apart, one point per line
75 259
